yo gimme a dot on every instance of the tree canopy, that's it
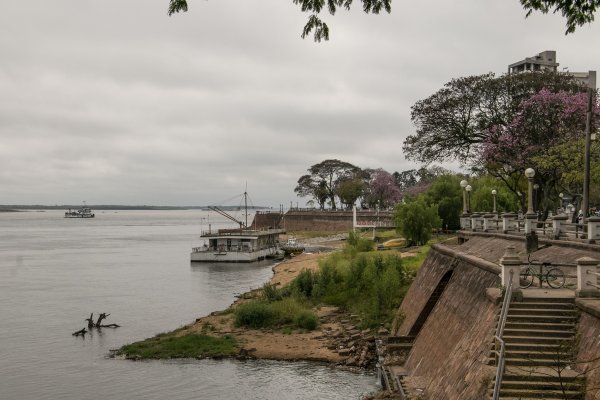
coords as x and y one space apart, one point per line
314 24
577 12
453 122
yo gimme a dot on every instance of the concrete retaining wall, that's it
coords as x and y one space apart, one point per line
449 357
588 356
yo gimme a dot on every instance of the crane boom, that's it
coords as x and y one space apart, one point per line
226 215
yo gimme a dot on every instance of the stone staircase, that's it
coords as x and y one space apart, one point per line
539 336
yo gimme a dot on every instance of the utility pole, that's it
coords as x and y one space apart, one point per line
586 171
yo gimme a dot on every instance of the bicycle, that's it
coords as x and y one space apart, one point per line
554 276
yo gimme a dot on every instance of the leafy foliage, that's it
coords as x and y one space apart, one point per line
577 12
445 192
383 191
454 122
366 283
323 180
314 7
286 312
416 220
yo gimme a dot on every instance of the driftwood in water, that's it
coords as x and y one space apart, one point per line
109 326
80 333
90 321
100 318
97 324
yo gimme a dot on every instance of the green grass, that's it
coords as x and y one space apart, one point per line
166 345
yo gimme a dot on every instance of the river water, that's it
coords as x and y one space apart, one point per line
134 265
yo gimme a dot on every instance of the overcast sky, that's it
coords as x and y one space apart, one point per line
114 102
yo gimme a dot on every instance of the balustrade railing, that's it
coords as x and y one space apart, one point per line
556 227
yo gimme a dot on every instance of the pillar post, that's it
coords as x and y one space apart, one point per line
586 278
510 262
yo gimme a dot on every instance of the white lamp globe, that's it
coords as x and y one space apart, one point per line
530 172
463 183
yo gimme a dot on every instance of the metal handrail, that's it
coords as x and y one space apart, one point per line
498 337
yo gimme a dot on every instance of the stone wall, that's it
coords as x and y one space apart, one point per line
449 356
588 356
321 220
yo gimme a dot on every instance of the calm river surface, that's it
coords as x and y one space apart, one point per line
134 265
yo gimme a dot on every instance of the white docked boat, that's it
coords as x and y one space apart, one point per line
237 245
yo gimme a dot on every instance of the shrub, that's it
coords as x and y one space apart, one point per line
255 314
307 320
304 283
270 293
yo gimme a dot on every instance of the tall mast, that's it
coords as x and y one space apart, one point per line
246 207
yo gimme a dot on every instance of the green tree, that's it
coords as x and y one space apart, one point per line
349 190
416 219
323 178
482 199
453 123
446 193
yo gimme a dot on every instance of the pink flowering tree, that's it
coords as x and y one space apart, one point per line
544 122
383 190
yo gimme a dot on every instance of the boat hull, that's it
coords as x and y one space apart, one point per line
232 256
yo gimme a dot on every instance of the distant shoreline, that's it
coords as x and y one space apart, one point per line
20 207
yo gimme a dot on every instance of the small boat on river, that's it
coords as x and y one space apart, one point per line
84 212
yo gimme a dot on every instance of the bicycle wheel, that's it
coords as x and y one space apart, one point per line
526 278
555 278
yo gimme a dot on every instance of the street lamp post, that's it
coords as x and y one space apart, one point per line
561 195
494 198
586 167
468 189
530 173
535 196
463 185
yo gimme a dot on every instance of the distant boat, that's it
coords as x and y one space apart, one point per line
239 244
84 212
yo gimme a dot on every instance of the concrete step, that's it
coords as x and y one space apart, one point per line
553 319
531 347
533 339
547 347
542 311
549 306
547 385
542 394
546 300
550 330
533 362
540 355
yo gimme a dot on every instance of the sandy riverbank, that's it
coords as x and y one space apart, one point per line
336 340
